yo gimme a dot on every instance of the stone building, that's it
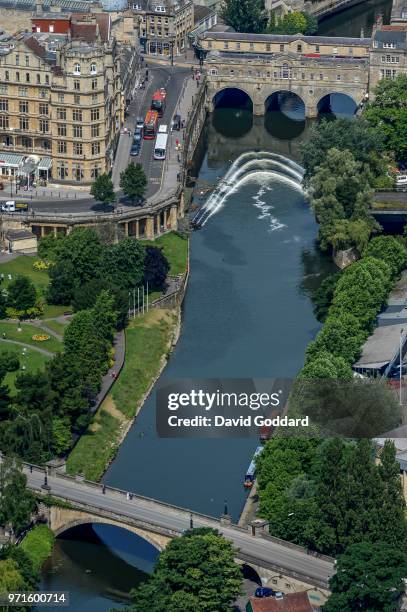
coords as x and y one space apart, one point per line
388 53
62 101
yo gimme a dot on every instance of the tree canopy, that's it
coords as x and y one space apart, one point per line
244 15
133 181
102 189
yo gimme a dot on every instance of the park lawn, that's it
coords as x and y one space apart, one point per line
97 446
148 340
56 326
9 328
32 360
175 248
55 310
38 544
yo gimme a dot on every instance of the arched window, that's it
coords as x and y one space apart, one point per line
77 69
93 69
213 71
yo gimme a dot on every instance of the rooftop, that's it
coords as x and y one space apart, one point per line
381 347
292 602
237 36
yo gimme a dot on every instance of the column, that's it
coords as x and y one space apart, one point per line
173 217
150 228
55 231
165 218
42 230
157 224
126 228
137 229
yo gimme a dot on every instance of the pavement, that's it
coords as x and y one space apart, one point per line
176 519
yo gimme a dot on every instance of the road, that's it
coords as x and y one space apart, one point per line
159 76
176 519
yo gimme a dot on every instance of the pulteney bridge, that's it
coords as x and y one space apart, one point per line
257 68
286 566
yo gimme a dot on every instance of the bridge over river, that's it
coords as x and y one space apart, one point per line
158 522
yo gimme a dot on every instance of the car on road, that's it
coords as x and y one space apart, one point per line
138 135
176 123
264 592
135 150
139 122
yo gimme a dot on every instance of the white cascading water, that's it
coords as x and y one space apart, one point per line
249 165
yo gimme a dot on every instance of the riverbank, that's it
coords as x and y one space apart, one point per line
38 545
150 339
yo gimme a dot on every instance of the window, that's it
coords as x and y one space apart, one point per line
338 77
95 148
286 72
321 77
77 69
17 60
17 77
299 48
24 125
93 69
77 131
94 131
23 107
226 45
44 126
26 142
43 93
61 113
61 97
46 79
94 84
3 89
4 105
76 99
43 108
94 114
4 123
213 71
268 47
27 60
311 76
94 98
316 48
77 115
251 46
335 50
77 148
61 129
27 77
238 45
77 172
7 75
51 27
23 92
389 45
62 146
38 79
77 85
350 50
95 171
209 44
62 170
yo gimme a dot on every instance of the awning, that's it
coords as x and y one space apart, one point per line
45 163
11 160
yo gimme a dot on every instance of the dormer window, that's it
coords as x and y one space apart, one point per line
93 69
77 69
389 45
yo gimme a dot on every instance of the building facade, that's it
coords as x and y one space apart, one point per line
61 98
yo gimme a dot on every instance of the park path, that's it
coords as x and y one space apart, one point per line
29 346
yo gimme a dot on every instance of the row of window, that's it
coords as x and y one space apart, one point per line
158 33
18 77
43 127
391 59
78 70
284 73
77 114
388 73
23 107
283 47
77 171
43 109
23 92
62 147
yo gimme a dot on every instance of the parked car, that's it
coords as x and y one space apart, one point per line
138 135
135 150
401 180
9 206
176 122
264 592
139 122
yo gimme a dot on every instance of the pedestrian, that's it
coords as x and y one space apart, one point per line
197 82
4 335
104 489
128 496
131 496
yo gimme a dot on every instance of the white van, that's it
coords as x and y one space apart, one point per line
163 129
401 180
9 206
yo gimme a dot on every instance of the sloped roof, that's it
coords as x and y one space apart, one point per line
292 602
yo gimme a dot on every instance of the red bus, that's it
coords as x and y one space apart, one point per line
150 125
158 101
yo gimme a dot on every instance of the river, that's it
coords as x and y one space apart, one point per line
247 313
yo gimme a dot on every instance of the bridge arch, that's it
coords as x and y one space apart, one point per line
63 519
232 97
338 103
286 101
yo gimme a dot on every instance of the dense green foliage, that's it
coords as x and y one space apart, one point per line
387 113
328 495
389 250
323 296
195 572
244 15
156 268
369 576
38 544
292 23
133 181
102 189
16 502
16 573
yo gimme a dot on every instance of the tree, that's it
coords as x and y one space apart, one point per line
291 23
16 502
323 296
21 293
369 576
312 23
48 246
195 572
341 335
102 189
85 297
244 15
61 435
156 268
326 365
133 181
389 250
387 114
62 283
124 263
365 143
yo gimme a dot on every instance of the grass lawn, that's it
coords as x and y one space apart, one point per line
56 326
23 264
175 248
25 335
147 341
38 544
32 360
